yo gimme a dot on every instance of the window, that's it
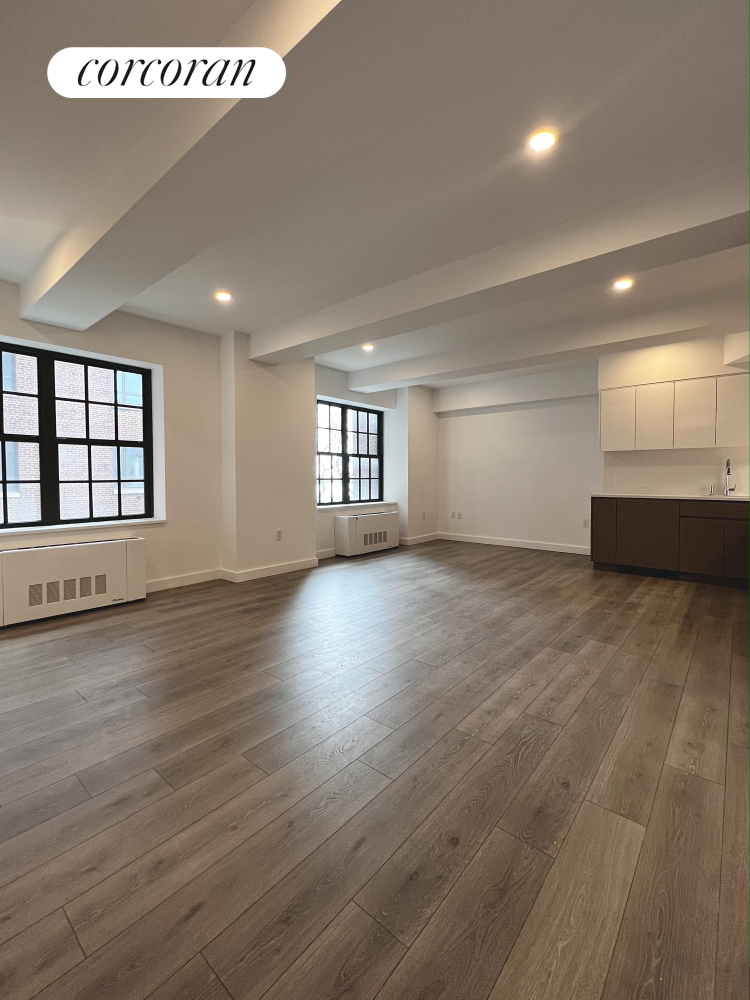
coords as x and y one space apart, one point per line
350 454
75 439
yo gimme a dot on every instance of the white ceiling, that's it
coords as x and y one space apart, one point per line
655 289
385 192
55 152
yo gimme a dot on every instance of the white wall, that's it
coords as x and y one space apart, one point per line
561 384
411 447
183 549
694 359
422 515
521 474
737 350
274 455
331 383
686 471
396 458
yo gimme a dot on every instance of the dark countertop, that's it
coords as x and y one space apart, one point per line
678 496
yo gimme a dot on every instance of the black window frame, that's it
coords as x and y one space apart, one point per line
48 439
346 455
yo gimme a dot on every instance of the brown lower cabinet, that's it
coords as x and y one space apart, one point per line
736 549
702 545
648 533
604 529
704 537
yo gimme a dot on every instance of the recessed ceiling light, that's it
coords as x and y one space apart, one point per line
223 296
368 347
623 284
542 140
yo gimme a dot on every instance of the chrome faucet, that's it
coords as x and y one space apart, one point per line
729 486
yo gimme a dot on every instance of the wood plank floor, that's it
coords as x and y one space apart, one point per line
452 771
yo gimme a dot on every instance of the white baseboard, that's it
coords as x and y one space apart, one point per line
419 539
232 576
243 575
184 580
517 543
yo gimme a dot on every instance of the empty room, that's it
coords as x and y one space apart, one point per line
374 493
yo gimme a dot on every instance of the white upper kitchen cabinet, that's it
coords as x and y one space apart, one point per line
695 413
617 419
732 405
654 416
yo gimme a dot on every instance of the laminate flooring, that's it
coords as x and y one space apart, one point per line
450 771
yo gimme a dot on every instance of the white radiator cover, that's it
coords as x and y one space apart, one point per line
57 579
357 534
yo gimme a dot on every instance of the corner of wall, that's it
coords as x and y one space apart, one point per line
228 544
396 466
268 464
423 426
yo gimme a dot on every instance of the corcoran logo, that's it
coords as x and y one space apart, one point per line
166 73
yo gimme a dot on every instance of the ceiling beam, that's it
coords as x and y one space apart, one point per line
163 206
525 349
575 256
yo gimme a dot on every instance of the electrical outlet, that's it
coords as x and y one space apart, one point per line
424 515
585 522
278 534
459 514
617 480
642 488
453 513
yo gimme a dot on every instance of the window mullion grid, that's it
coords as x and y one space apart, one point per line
346 480
126 444
345 494
148 449
367 456
49 479
118 453
381 495
48 458
4 476
88 438
358 453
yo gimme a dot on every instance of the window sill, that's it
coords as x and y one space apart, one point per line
78 526
356 506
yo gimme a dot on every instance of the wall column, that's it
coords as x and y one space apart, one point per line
268 464
411 456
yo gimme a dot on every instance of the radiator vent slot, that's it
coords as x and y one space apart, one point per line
35 595
100 584
69 590
85 587
53 592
